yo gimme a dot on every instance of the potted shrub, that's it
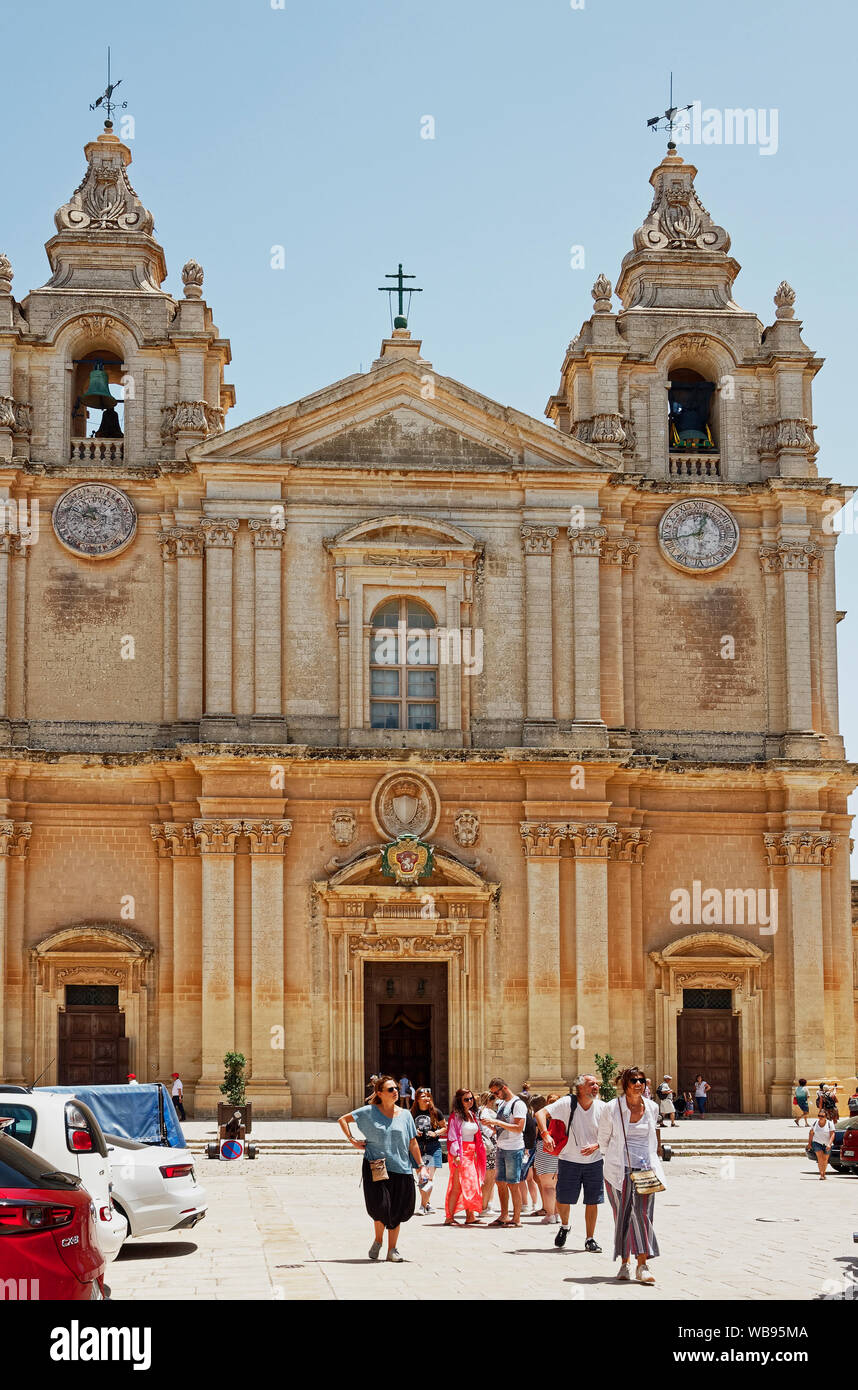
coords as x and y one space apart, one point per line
233 1087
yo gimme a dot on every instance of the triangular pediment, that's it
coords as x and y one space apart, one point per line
401 415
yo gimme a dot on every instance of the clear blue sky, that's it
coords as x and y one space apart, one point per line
300 127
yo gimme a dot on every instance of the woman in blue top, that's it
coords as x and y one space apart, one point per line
389 1142
801 1101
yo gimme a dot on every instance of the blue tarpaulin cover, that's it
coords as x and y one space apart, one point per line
144 1112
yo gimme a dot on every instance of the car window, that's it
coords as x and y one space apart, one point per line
21 1168
18 1121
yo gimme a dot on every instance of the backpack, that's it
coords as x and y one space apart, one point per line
573 1106
529 1130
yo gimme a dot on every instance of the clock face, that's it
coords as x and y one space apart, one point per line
94 520
698 535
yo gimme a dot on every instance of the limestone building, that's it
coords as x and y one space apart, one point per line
396 728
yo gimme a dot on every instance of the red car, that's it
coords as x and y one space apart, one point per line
48 1243
849 1150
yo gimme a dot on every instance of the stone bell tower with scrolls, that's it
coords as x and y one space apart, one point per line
679 325
104 308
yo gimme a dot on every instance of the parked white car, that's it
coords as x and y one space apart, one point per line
154 1187
64 1131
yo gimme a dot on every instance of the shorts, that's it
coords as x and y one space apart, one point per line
572 1177
819 1148
803 1106
544 1164
508 1165
665 1107
432 1158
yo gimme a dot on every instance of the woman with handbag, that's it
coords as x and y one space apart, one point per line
630 1140
391 1153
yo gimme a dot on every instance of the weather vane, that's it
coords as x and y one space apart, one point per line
106 98
668 121
400 289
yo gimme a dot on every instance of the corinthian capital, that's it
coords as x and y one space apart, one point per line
266 536
630 845
15 838
593 841
587 541
267 836
174 840
788 847
620 550
219 532
217 836
538 540
541 839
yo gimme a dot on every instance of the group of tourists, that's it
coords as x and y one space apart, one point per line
821 1137
551 1149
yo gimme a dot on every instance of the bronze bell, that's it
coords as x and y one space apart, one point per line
97 394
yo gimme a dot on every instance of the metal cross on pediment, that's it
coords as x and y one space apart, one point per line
106 98
400 289
669 120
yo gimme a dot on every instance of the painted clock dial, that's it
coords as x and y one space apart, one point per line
698 535
94 520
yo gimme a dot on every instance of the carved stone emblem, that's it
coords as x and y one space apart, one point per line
94 520
405 803
466 828
343 826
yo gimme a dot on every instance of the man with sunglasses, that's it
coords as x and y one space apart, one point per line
510 1118
580 1166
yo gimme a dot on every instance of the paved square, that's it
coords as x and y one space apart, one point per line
287 1227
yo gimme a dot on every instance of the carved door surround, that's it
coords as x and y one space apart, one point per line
714 960
387 557
91 953
444 919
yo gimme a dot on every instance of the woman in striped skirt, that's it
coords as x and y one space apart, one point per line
629 1138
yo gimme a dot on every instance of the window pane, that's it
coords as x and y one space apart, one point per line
387 615
418 616
421 684
421 647
387 683
385 647
383 716
421 717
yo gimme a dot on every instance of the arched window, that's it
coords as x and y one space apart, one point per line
98 405
690 401
403 666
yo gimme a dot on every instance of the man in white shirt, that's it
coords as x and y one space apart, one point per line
178 1093
580 1160
509 1125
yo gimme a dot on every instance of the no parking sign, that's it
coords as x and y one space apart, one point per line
231 1148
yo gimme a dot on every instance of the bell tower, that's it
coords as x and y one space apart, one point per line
682 382
101 364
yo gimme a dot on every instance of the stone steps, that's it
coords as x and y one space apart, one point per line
791 1147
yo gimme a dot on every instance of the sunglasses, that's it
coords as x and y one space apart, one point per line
470 1098
391 1088
638 1080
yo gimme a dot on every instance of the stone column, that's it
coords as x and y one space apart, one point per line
168 555
165 951
267 566
591 845
6 546
617 554
538 543
189 656
14 844
216 840
795 560
804 854
219 541
541 844
586 549
828 641
185 1029
624 947
271 1091
17 629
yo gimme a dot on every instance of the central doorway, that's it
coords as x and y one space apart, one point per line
708 1044
93 1048
405 1023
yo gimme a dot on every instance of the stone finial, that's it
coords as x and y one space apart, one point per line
784 301
601 293
6 274
192 279
104 200
677 220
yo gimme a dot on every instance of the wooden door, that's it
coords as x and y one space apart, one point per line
405 1023
708 1043
93 1048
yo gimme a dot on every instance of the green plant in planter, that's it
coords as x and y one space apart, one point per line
606 1067
234 1067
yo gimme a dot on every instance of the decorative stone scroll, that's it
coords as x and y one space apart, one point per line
266 536
677 220
267 836
538 540
608 429
15 838
196 416
398 946
217 836
219 532
790 847
620 550
588 541
466 828
541 839
174 840
630 845
104 199
343 826
777 556
592 841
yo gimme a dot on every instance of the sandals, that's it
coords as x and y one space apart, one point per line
500 1223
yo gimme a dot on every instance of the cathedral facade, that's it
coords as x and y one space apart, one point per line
398 729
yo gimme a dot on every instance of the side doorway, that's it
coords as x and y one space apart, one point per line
405 1024
707 1040
93 1048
